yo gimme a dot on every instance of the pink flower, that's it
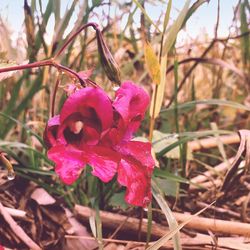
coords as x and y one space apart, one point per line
91 129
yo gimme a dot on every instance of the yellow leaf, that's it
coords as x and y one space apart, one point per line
158 93
152 64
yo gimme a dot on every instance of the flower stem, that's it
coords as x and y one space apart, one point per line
58 80
27 66
152 118
94 25
49 62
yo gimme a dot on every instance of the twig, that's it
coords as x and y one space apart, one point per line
215 225
217 169
214 61
16 212
215 39
191 70
212 142
17 229
49 62
73 36
105 240
232 37
211 184
58 80
199 240
112 220
220 210
217 20
200 223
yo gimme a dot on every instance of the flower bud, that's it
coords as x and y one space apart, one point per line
108 62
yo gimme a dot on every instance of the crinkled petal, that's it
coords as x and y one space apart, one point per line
91 107
131 103
137 179
50 132
139 151
90 103
69 162
104 162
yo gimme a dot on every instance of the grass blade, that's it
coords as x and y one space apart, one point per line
192 104
146 15
168 213
152 64
167 15
159 243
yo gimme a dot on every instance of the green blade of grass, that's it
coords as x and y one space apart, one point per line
167 15
218 102
168 214
159 243
172 34
146 15
189 136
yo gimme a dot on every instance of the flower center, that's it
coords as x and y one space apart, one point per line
76 127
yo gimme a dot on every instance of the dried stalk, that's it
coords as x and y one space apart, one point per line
17 229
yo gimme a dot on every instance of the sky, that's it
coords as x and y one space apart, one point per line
202 21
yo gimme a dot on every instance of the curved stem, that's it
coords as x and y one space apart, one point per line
70 71
49 62
54 94
94 25
27 66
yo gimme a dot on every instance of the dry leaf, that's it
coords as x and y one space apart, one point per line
158 93
152 64
243 151
78 230
42 197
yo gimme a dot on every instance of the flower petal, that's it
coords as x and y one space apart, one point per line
50 132
91 107
89 103
104 162
137 179
69 162
131 101
139 151
135 171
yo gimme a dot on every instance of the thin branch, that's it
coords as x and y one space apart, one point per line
191 70
58 80
205 53
217 20
94 25
112 220
215 61
49 62
232 37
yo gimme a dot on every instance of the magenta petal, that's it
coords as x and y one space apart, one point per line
135 171
104 162
137 179
50 132
69 162
90 104
131 103
139 151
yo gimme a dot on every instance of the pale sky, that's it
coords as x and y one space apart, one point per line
203 20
